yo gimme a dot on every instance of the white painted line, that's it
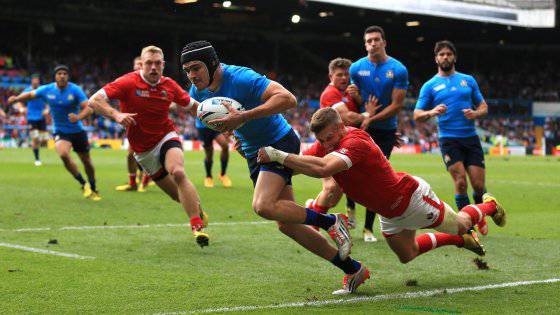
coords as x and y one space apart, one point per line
45 251
136 226
376 298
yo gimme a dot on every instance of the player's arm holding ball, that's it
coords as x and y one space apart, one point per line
276 99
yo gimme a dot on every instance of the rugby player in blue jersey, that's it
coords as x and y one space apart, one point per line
37 110
382 80
456 100
68 106
260 124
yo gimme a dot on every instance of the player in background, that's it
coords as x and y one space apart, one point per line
68 106
456 100
386 79
131 163
261 124
145 97
405 203
208 136
336 96
37 112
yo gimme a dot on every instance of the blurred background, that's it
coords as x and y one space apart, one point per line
511 47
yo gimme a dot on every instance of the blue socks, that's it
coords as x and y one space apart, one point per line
461 201
80 179
36 153
478 198
324 221
349 266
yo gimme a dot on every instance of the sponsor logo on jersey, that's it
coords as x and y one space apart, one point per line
364 73
51 96
143 93
389 74
439 87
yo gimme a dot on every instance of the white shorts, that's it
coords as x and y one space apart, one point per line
425 210
150 160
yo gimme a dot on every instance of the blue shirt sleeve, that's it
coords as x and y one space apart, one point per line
425 98
354 74
254 83
476 96
79 94
401 78
41 92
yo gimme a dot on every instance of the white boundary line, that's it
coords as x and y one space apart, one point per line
376 298
136 226
45 251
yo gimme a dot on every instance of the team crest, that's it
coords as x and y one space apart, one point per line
463 82
447 158
343 151
164 93
70 97
389 74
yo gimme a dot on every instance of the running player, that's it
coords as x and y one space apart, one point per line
65 100
384 78
456 99
208 136
336 96
405 203
131 163
145 97
261 124
37 111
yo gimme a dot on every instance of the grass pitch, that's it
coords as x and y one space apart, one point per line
143 265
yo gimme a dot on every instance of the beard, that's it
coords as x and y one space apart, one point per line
446 66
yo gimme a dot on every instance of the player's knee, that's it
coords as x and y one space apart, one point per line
178 174
461 183
263 208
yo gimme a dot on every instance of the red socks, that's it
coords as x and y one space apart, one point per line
145 180
132 179
479 211
196 223
429 241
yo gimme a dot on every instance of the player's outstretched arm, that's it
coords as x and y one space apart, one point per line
23 97
304 164
99 103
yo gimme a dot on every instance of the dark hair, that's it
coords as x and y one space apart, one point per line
445 44
339 63
375 29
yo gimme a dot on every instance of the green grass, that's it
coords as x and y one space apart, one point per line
160 269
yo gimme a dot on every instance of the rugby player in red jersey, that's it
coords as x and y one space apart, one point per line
405 203
336 96
145 97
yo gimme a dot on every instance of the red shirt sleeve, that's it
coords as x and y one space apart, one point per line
182 98
117 90
329 98
352 150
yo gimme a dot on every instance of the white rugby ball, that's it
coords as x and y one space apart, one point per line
213 108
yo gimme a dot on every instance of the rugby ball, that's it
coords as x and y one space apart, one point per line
213 108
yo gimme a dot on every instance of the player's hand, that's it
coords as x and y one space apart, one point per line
470 114
439 110
73 118
365 123
354 92
125 119
263 157
11 99
372 105
233 120
237 145
399 140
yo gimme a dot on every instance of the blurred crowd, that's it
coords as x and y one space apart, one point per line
91 73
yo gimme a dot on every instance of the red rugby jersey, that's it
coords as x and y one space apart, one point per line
332 96
150 103
370 180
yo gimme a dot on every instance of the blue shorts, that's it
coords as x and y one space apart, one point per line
80 142
207 136
289 143
466 150
40 125
384 138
